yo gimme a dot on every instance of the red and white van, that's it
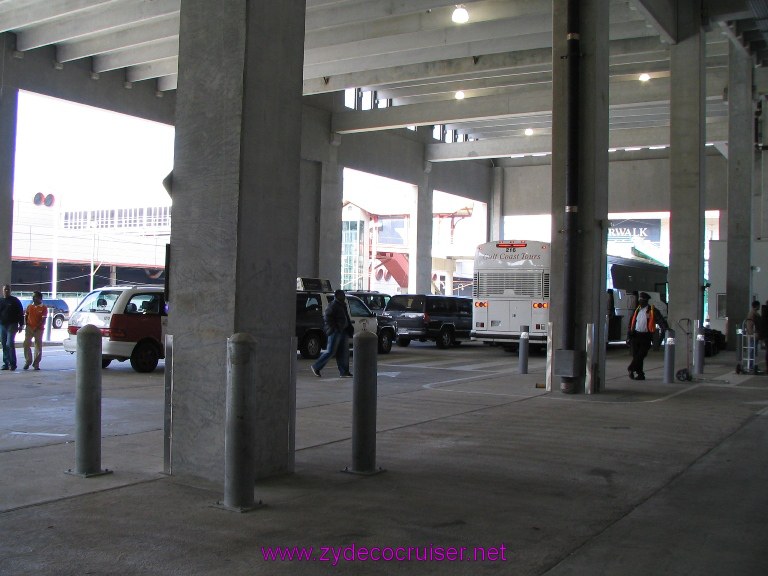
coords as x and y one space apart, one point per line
132 320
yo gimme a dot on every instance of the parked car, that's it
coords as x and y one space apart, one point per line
132 320
58 310
311 337
444 319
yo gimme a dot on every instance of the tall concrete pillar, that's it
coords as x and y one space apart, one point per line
580 141
420 260
331 200
234 234
496 207
740 165
686 160
9 102
759 200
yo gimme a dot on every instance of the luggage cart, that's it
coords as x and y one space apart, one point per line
748 349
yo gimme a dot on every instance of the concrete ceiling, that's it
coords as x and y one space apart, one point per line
415 59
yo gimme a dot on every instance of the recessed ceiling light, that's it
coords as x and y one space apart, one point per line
460 15
529 131
644 77
459 95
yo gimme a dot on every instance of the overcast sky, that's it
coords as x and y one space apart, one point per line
89 157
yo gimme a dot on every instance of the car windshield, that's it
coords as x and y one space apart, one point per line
406 303
99 301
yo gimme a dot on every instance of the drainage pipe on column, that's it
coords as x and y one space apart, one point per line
570 228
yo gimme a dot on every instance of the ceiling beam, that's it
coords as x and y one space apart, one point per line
646 49
662 14
519 101
167 67
142 55
26 14
542 144
159 29
100 20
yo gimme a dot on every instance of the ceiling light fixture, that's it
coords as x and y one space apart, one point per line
529 131
460 14
459 95
644 77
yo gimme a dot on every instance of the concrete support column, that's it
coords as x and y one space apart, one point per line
234 232
496 206
761 200
740 164
687 133
420 260
585 296
9 101
331 200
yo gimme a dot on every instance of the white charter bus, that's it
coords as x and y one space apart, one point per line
510 290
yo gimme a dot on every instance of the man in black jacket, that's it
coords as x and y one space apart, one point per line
338 327
11 321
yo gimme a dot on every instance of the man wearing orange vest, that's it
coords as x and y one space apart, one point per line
34 316
642 325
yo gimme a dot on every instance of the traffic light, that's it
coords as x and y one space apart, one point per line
41 199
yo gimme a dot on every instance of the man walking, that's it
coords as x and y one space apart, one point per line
338 327
11 321
641 329
35 316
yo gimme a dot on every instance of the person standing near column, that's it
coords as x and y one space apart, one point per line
11 321
641 328
34 316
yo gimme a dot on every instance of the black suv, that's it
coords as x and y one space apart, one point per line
309 322
444 319
58 310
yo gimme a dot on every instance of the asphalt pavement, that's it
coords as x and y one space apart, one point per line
485 471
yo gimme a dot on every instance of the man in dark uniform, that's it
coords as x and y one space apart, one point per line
11 321
642 325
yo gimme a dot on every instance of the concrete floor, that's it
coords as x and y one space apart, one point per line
646 478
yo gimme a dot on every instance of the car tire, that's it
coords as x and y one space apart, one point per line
385 342
311 346
145 357
58 322
403 341
445 338
106 362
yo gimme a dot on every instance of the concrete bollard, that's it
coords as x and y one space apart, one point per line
240 431
699 349
48 323
364 369
669 358
522 350
88 404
